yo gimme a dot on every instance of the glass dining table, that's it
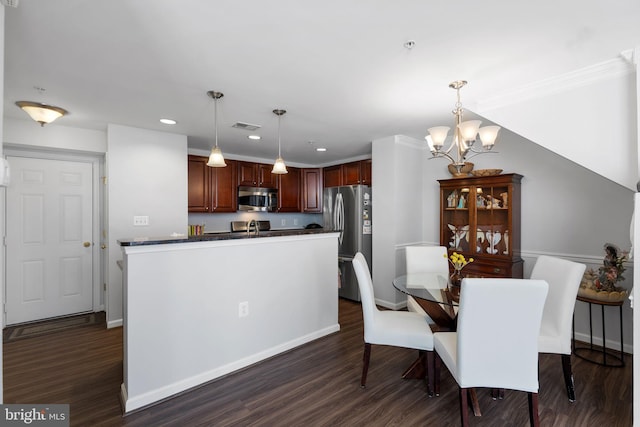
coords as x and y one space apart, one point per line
434 294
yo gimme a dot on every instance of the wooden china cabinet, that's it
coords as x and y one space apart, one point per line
480 218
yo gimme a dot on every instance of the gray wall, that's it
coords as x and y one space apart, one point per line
567 211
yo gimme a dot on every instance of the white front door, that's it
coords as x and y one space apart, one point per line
49 239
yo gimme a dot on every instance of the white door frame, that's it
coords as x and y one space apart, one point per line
98 207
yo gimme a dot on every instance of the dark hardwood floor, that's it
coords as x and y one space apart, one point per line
314 385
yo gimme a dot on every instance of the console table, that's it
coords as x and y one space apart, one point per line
592 354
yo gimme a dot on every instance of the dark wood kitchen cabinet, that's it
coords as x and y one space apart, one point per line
256 175
480 218
356 173
312 190
352 173
289 190
333 176
211 189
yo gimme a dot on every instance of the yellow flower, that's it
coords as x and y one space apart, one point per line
458 261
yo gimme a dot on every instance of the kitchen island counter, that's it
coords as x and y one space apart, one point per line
200 308
143 241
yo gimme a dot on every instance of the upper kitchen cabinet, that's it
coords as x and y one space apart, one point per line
256 175
289 190
480 218
333 176
211 189
357 173
312 190
353 173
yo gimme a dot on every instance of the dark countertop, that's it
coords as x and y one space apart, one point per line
142 241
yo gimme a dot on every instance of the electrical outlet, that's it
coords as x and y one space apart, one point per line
140 221
243 309
295 221
283 222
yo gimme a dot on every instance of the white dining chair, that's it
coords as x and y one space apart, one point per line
496 343
425 259
564 279
388 327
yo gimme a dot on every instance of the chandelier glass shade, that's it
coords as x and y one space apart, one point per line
216 159
42 113
465 134
279 167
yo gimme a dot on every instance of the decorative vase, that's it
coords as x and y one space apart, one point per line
455 280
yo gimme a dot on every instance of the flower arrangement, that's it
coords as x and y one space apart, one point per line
601 283
458 261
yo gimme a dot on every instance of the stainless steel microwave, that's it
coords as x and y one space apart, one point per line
257 199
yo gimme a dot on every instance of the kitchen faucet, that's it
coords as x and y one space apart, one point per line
256 228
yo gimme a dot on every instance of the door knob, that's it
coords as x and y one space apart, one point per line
103 246
86 244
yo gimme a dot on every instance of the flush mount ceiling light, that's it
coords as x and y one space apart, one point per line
216 159
41 113
279 167
464 136
168 121
255 137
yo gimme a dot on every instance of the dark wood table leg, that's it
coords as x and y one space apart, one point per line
416 370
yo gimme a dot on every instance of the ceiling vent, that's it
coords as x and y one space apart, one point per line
245 126
10 3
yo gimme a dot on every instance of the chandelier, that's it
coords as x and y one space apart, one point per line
216 159
464 137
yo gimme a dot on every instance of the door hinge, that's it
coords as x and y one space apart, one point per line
104 286
104 180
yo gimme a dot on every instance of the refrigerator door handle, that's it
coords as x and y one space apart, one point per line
339 211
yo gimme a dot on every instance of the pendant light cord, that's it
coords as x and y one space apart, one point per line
215 118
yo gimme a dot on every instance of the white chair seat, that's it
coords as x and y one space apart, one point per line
554 344
400 329
414 307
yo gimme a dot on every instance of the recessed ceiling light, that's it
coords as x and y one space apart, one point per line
256 137
321 149
168 121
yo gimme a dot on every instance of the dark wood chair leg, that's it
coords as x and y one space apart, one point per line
533 410
365 363
430 362
568 377
464 407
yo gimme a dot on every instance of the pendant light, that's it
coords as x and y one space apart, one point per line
216 159
279 167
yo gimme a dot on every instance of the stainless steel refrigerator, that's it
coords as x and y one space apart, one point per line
347 210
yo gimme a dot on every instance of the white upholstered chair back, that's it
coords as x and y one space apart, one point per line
563 277
367 298
497 335
427 259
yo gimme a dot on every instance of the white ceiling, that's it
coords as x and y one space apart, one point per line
339 67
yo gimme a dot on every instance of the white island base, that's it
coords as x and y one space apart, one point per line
182 324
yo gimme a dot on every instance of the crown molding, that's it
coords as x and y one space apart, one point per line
618 67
